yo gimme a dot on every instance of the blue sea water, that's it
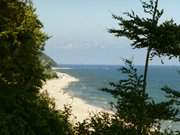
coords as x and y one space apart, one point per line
94 77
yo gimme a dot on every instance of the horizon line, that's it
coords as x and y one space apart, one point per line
114 64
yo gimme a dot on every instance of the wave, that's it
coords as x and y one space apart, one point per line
55 68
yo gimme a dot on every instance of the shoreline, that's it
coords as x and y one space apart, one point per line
56 90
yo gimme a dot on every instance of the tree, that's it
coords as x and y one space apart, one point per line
21 41
135 112
23 110
129 118
139 111
159 39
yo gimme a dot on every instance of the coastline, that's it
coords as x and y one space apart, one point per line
80 109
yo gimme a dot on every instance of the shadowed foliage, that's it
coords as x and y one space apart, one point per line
160 39
136 112
138 109
23 110
163 38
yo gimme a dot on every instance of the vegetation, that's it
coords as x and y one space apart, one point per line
47 60
47 64
26 111
159 39
23 110
136 112
21 42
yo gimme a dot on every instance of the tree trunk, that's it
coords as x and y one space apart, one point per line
146 70
149 50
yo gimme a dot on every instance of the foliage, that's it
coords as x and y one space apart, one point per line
21 41
23 110
47 60
163 39
135 113
160 39
47 64
136 107
102 124
174 96
33 116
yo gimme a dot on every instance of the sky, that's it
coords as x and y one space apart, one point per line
79 30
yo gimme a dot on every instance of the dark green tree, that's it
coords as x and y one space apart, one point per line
139 111
21 42
129 118
159 39
136 112
23 110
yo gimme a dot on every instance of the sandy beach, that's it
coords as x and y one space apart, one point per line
55 89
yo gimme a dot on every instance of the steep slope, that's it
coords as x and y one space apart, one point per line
48 63
47 60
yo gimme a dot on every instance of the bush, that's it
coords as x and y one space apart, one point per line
33 116
135 113
23 110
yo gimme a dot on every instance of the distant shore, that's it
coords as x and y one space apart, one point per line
55 89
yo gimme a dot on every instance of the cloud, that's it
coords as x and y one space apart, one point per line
80 45
68 46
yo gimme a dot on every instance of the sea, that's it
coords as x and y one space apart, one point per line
92 78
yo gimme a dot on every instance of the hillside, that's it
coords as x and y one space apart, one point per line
47 60
48 63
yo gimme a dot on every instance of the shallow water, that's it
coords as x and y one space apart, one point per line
93 77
